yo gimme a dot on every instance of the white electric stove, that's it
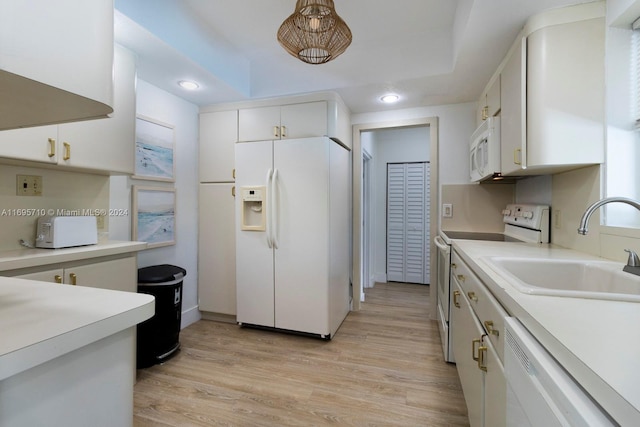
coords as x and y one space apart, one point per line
522 223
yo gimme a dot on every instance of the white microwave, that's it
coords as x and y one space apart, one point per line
484 150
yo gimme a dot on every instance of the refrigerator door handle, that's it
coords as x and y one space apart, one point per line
268 211
274 209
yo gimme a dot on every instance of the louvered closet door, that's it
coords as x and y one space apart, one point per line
407 222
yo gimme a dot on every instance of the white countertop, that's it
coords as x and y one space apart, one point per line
25 258
41 321
596 341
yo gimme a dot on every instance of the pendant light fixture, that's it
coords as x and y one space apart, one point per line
314 33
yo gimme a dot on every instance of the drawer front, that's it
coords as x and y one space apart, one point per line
485 306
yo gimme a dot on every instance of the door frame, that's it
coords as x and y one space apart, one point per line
432 123
366 220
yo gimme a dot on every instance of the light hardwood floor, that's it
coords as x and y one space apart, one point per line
384 367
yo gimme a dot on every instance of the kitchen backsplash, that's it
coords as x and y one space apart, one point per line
62 193
476 207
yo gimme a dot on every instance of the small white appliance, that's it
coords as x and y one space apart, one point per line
292 235
539 391
522 223
484 151
54 232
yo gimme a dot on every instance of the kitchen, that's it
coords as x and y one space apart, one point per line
569 193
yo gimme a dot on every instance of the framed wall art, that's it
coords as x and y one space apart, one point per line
155 148
154 215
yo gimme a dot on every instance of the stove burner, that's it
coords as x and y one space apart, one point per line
474 235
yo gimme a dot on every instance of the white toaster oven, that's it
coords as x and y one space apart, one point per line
66 231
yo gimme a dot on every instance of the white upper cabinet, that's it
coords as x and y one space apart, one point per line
283 122
102 145
218 136
106 144
552 94
56 60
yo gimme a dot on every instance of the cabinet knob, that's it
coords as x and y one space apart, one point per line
456 294
517 154
57 278
488 325
283 131
67 151
485 112
460 277
233 191
472 296
454 266
52 147
276 131
74 278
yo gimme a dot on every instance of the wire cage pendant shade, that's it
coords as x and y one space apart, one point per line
314 33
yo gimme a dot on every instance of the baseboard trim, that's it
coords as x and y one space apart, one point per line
189 316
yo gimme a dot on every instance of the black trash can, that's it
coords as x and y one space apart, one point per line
159 337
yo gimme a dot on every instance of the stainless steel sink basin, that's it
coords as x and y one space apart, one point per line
569 278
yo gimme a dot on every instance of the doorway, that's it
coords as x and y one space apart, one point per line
432 124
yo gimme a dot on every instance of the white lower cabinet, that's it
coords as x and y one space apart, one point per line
474 339
119 274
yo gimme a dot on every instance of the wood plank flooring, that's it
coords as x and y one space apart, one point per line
384 367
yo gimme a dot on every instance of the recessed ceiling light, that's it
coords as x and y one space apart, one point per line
390 99
189 85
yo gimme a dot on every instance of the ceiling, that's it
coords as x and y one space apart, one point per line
430 52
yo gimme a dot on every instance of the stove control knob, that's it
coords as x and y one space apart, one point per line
527 215
506 212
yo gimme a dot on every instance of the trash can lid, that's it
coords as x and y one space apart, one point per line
160 273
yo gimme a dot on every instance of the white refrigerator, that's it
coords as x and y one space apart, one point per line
292 234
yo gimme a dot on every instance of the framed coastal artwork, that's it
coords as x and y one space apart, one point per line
154 215
155 148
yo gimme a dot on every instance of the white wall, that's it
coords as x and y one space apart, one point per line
390 146
456 123
160 105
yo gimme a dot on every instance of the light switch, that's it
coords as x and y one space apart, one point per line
28 185
447 210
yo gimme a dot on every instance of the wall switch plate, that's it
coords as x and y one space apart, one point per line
447 210
557 219
28 185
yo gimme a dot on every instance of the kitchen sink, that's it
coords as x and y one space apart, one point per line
569 278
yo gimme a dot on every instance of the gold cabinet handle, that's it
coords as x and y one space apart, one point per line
460 277
74 278
233 191
482 352
283 131
233 173
52 147
454 266
473 349
488 325
456 294
67 151
276 130
485 112
472 296
517 155
57 278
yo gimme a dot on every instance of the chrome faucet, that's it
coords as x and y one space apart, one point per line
587 214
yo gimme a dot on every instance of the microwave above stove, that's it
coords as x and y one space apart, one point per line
484 151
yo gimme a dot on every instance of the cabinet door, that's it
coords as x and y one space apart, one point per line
35 144
495 388
56 60
257 124
217 249
106 144
119 274
218 136
493 98
513 123
55 275
465 330
304 120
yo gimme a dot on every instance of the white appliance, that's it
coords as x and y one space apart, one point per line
292 235
539 391
484 151
522 223
66 231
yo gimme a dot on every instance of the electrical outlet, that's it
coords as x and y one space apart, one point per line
100 222
557 219
28 185
447 210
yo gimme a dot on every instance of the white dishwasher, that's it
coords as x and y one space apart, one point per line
539 391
